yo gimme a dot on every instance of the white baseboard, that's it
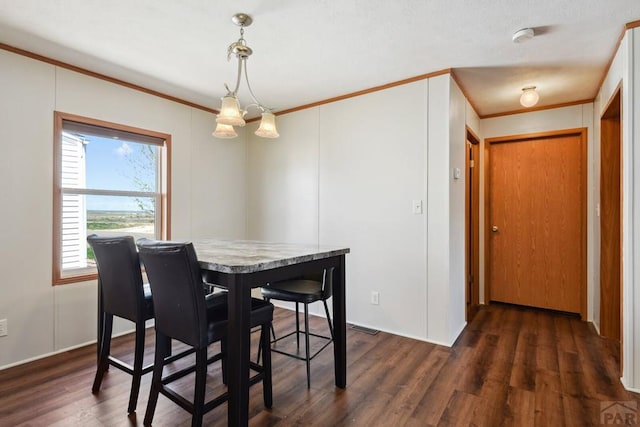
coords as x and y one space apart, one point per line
62 350
632 389
597 327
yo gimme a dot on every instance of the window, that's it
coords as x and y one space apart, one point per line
110 180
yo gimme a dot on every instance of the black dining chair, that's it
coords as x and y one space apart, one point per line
184 313
122 294
304 290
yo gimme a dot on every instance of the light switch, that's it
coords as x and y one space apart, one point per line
417 207
456 173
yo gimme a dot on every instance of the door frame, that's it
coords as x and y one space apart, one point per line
472 225
582 133
608 132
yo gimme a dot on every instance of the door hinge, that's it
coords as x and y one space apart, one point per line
472 163
470 278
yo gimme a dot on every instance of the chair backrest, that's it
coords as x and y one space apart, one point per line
326 278
177 290
119 275
327 283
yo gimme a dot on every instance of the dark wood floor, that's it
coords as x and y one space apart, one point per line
511 367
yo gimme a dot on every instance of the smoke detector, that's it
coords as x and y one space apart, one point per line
523 35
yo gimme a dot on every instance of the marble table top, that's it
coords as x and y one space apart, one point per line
248 256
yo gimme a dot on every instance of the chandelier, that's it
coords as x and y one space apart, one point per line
230 113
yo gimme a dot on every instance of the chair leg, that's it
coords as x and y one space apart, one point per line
306 338
273 331
329 321
137 366
156 381
297 327
266 366
223 350
200 387
259 348
105 348
100 338
169 352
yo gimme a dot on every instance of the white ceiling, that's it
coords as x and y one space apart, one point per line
308 51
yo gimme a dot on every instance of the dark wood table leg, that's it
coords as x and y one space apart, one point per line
238 350
340 324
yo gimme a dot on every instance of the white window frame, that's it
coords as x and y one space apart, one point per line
161 195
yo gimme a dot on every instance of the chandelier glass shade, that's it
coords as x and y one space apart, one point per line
231 114
267 127
224 131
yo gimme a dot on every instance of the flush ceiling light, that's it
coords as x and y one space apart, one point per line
230 113
529 96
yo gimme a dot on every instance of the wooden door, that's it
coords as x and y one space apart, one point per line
610 217
537 220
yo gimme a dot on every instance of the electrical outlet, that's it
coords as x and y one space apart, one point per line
4 328
375 298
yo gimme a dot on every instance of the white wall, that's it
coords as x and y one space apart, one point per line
472 119
217 178
26 168
438 245
283 181
575 116
371 168
457 210
208 193
347 173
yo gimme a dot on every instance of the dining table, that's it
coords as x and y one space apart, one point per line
241 265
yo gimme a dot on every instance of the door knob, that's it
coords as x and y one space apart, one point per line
494 228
